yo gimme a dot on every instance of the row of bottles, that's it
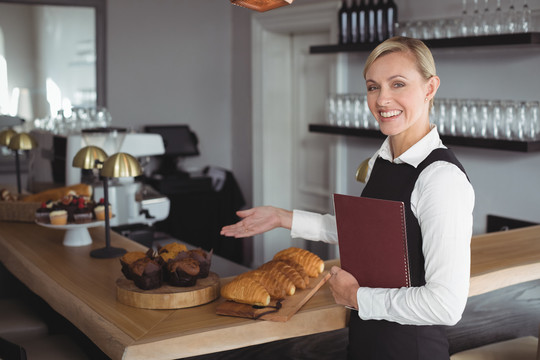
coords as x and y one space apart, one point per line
361 22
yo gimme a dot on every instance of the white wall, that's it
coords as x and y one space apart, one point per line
169 61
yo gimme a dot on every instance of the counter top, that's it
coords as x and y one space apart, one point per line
82 289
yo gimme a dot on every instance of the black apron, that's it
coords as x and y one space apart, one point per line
385 340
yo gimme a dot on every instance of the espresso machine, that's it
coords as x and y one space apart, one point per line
132 201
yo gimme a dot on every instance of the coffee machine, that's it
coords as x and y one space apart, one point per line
132 202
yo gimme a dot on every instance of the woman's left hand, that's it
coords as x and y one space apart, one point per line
343 287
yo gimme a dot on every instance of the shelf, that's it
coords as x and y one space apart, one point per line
485 40
509 145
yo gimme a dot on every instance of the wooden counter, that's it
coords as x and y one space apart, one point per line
82 289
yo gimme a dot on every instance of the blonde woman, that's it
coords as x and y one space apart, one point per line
412 166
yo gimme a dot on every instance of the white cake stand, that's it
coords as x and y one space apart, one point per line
76 234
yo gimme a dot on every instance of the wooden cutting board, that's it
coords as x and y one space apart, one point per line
277 311
166 296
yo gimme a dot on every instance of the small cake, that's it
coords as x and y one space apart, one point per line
183 272
82 214
204 259
143 269
42 214
58 217
99 211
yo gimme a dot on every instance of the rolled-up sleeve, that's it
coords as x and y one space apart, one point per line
312 226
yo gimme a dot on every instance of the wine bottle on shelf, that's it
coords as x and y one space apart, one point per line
343 21
381 21
362 22
371 24
391 17
353 16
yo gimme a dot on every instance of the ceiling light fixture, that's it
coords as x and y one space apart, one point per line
261 5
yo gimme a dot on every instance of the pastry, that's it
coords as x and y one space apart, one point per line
99 211
58 217
269 282
82 214
286 270
43 214
59 193
182 272
312 264
143 269
246 291
204 259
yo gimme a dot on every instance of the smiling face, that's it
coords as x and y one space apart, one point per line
398 96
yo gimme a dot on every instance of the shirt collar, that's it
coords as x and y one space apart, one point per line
416 153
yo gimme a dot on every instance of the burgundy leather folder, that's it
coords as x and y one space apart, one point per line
372 239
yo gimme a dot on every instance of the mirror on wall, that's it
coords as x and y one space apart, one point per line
52 56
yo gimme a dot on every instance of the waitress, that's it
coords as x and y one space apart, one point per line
412 166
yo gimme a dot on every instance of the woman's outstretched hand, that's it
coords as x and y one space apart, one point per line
258 220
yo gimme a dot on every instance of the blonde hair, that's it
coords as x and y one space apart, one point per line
424 59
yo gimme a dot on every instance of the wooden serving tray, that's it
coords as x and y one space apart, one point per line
166 296
277 310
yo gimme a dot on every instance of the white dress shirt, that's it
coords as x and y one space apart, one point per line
442 200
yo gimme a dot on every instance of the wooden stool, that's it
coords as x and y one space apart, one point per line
524 348
17 321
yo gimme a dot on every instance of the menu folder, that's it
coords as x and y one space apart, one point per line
372 238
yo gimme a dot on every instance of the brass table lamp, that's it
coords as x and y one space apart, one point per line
115 166
22 141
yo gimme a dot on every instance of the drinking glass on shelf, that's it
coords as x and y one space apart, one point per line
463 122
357 111
453 117
483 118
465 21
521 122
331 109
525 18
511 21
509 119
476 21
497 19
485 20
533 119
497 123
473 119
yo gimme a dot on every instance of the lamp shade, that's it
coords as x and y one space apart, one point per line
121 165
261 5
5 136
89 157
22 141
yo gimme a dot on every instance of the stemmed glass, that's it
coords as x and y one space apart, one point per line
498 21
511 22
525 20
464 28
485 21
475 20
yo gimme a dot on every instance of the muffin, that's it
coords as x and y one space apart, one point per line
204 259
99 211
58 217
143 269
182 272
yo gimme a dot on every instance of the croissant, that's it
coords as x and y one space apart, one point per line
311 262
246 291
298 268
286 270
276 289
